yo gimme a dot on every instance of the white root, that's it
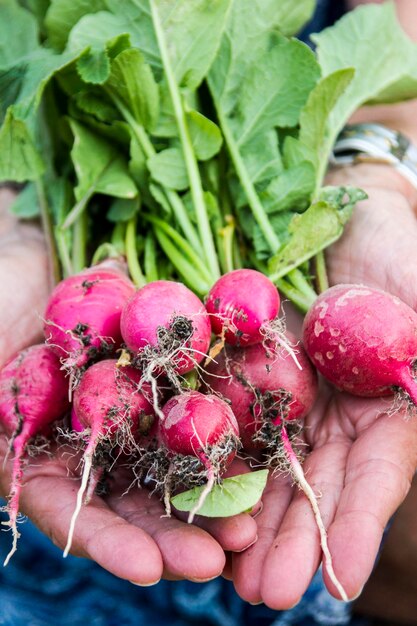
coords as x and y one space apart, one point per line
88 462
205 492
16 536
299 476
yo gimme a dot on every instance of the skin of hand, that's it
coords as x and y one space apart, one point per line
128 536
363 452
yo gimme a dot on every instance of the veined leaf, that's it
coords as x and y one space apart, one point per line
99 166
63 15
371 41
19 157
315 229
205 135
168 168
235 495
132 81
18 33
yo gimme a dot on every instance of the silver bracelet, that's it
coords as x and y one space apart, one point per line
371 143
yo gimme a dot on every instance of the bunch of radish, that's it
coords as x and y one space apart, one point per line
180 387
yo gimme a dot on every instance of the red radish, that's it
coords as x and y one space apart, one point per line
264 387
108 405
363 340
267 392
76 425
33 394
240 304
82 318
167 327
243 306
201 426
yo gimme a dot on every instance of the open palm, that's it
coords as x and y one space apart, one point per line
127 536
363 452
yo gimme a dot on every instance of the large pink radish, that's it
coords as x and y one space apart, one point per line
82 317
33 394
363 340
166 327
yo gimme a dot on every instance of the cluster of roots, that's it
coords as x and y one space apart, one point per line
166 473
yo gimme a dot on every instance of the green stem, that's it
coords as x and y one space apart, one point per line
79 244
118 237
184 268
227 235
48 230
322 280
182 245
63 251
301 301
151 266
172 197
248 187
196 187
299 281
135 269
103 252
78 208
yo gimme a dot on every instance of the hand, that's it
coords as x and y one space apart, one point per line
127 536
363 454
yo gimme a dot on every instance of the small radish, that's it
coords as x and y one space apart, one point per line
167 329
363 340
82 318
243 306
264 387
33 394
240 304
108 405
200 427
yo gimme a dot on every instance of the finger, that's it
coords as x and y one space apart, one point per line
49 498
188 552
295 553
227 572
379 472
234 533
247 566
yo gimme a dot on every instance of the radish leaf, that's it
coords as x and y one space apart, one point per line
233 496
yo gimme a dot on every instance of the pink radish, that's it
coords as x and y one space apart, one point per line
363 340
264 387
243 306
108 405
167 328
267 392
240 304
82 318
33 394
203 427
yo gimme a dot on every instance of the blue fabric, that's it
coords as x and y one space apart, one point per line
40 588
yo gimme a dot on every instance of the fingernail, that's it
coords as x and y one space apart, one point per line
256 603
248 546
356 596
144 584
202 580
